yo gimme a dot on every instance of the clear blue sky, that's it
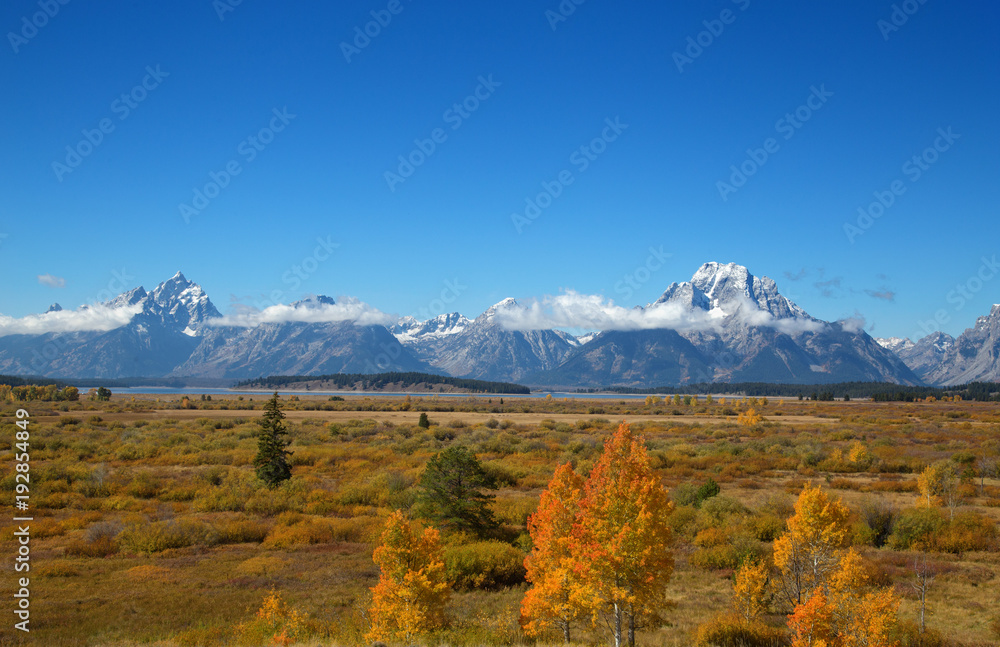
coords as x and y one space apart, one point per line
323 175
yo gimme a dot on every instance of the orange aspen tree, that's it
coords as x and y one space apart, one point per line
847 612
810 623
809 551
551 566
412 589
624 553
861 617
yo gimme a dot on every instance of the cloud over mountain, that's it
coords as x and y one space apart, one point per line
323 310
89 318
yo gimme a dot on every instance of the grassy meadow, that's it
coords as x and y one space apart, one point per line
151 528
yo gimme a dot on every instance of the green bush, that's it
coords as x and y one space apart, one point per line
484 565
916 526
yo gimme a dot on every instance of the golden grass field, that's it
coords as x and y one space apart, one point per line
150 527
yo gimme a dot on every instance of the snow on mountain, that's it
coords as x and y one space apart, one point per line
895 344
973 357
742 330
409 330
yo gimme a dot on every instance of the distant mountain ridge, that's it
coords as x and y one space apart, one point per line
943 360
724 325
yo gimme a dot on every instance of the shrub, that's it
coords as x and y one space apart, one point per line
880 518
161 535
732 631
766 527
241 531
721 508
916 526
967 531
312 530
484 565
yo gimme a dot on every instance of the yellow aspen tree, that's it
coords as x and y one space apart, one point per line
929 484
750 590
749 418
412 589
624 539
861 617
551 565
808 552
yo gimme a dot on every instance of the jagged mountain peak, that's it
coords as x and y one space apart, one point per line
55 307
132 297
509 302
180 304
730 287
314 301
895 344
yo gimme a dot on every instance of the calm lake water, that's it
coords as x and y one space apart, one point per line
163 390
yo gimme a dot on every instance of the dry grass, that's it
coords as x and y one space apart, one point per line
146 467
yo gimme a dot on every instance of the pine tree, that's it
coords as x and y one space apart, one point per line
272 457
453 482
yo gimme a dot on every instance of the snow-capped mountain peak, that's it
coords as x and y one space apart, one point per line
410 330
491 312
895 344
727 288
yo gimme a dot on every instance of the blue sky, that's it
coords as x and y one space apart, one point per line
546 88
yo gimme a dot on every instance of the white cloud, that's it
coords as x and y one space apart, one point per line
92 318
346 309
594 312
52 281
853 324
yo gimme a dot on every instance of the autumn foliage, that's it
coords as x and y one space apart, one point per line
412 589
614 562
809 551
837 606
551 566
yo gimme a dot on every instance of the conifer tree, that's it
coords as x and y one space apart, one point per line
272 457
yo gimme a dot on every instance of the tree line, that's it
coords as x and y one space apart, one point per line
374 381
877 391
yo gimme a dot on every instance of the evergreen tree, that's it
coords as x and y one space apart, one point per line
453 482
272 457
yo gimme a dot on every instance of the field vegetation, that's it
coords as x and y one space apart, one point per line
151 525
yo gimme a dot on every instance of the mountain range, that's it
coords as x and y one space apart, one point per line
724 325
